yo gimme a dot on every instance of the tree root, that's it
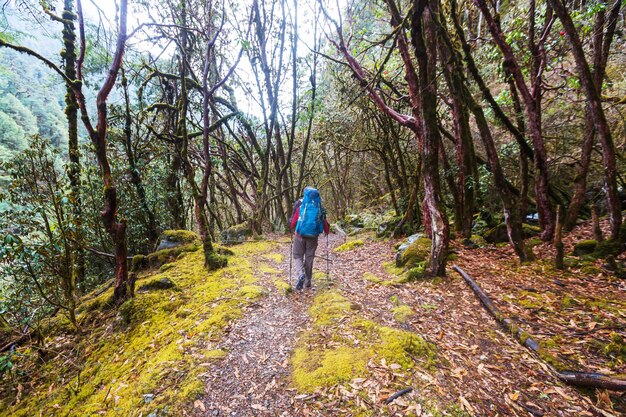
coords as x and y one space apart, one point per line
579 379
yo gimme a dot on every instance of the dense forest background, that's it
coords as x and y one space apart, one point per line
446 117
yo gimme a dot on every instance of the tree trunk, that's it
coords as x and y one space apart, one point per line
465 157
424 40
558 242
73 172
532 109
597 113
98 135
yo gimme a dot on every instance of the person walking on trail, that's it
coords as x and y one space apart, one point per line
308 220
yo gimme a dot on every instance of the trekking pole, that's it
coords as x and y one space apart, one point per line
290 254
327 262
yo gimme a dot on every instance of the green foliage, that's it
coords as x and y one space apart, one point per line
38 233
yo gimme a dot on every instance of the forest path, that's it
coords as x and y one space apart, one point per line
254 378
481 369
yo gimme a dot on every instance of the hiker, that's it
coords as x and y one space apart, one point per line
308 220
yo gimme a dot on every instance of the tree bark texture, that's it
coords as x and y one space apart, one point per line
424 41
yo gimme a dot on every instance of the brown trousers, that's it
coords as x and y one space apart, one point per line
303 255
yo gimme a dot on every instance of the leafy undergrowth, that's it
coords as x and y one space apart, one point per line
147 356
360 358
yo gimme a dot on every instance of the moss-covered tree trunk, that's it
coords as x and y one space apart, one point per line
465 156
73 172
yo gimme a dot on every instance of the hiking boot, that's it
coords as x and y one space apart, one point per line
300 282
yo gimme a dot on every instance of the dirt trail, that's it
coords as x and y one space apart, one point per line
254 378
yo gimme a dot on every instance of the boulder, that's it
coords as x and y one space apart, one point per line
353 220
474 242
414 251
585 247
157 284
386 228
173 238
236 234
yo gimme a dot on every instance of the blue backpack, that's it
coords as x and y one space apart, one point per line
311 220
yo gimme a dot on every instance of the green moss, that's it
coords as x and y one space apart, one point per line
264 269
251 292
567 302
215 261
531 300
616 347
551 360
552 342
417 252
314 369
392 269
223 250
215 354
530 230
330 306
368 276
402 313
154 343
349 245
165 267
319 361
416 273
396 346
181 236
479 240
585 247
283 286
158 258
590 270
276 257
429 306
608 248
138 263
162 283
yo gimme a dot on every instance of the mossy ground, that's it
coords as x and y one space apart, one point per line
340 345
349 245
158 343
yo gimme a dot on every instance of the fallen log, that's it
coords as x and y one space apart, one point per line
579 379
